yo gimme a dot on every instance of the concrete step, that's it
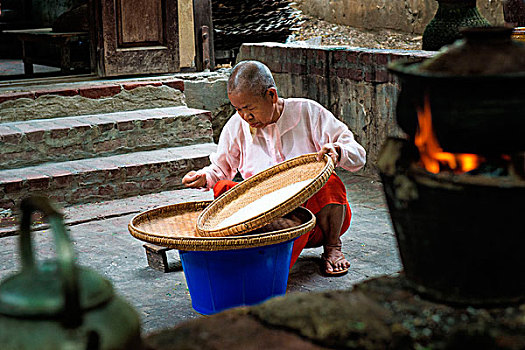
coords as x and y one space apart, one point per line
104 178
70 138
59 99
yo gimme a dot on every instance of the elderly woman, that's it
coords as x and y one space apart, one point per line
267 130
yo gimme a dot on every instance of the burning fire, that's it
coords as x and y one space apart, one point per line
432 156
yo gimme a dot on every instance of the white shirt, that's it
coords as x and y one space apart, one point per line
303 127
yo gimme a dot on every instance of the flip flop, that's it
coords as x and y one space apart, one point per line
333 273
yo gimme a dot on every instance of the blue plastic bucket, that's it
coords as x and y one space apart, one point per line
219 280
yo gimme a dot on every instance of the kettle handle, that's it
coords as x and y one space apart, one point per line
67 269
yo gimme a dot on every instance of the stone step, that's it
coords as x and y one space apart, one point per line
61 139
88 97
104 178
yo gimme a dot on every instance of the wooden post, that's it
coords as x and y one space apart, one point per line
203 17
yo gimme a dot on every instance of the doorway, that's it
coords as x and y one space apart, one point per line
100 38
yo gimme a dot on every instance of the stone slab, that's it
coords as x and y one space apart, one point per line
99 135
104 178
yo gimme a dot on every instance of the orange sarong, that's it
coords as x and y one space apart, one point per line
333 192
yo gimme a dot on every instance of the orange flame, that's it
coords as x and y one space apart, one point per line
431 153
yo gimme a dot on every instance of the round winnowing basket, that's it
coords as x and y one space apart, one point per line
304 169
173 226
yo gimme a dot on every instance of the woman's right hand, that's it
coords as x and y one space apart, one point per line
194 180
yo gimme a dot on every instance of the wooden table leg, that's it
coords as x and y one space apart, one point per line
65 58
26 57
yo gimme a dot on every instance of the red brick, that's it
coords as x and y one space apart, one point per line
151 184
35 136
16 157
11 187
59 92
12 139
106 191
82 194
339 55
382 76
125 125
128 188
92 177
113 174
314 70
59 133
136 84
352 57
172 181
275 66
355 74
343 73
382 58
311 54
16 95
148 123
134 170
108 145
366 58
106 126
175 84
297 68
370 76
38 184
100 91
62 181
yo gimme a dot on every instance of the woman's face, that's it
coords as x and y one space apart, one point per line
256 110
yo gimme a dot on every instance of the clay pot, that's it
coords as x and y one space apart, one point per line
461 238
451 16
475 88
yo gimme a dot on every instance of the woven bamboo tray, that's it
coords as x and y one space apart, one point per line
306 167
173 226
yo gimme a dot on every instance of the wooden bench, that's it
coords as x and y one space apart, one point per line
69 57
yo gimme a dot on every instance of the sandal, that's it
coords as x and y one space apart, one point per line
324 259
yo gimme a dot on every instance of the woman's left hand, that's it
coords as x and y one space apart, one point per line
333 150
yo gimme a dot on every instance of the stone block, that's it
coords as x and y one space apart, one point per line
16 95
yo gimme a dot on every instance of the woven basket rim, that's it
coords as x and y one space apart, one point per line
275 212
199 243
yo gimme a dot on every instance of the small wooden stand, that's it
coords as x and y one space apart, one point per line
157 258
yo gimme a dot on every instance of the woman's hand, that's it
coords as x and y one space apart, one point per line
333 150
194 180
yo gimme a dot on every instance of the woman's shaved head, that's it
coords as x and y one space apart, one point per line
250 77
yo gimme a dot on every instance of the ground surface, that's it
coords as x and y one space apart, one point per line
102 242
318 32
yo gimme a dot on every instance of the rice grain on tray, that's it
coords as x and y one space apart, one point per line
263 204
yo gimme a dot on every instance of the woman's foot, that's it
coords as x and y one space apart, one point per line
334 262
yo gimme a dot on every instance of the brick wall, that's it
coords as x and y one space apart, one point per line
353 83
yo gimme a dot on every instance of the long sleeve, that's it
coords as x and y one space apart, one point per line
328 129
225 161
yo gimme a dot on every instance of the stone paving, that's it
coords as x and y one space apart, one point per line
102 242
